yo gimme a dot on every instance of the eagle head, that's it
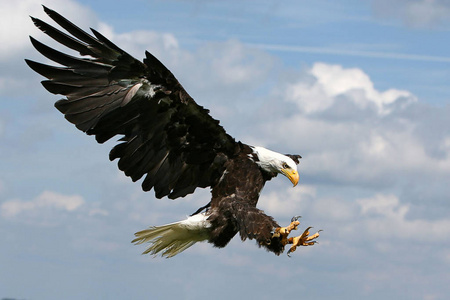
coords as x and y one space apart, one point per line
277 163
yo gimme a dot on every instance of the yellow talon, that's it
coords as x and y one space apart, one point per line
284 231
303 240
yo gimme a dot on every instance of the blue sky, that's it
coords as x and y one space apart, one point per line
358 88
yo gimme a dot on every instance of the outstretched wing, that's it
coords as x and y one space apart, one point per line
167 137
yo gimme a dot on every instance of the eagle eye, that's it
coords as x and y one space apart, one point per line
285 166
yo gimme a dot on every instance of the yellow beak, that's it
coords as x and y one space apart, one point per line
292 175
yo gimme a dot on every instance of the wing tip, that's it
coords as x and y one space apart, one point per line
47 10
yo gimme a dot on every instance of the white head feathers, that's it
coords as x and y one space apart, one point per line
271 161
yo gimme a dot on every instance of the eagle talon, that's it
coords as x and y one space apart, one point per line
295 218
289 252
283 232
302 240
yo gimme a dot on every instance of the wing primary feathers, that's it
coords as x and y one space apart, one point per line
63 38
166 136
67 60
77 32
106 41
67 75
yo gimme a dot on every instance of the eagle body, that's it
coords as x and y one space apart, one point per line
236 195
167 140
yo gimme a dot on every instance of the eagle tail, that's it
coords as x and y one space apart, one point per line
171 239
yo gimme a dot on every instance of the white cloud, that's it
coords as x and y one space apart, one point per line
334 209
98 212
387 205
222 71
136 42
350 132
16 14
387 218
417 13
233 63
287 202
46 200
329 82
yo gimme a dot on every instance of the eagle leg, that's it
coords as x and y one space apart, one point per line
283 232
302 240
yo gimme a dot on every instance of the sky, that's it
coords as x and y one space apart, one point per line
358 88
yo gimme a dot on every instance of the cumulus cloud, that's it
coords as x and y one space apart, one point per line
417 13
233 64
287 202
388 218
348 131
159 44
46 200
329 82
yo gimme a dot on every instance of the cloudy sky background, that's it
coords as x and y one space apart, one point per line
359 88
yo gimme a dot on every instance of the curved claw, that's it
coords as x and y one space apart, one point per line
295 218
307 230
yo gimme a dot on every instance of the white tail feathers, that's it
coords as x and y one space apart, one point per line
174 238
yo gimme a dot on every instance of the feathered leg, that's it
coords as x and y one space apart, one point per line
230 218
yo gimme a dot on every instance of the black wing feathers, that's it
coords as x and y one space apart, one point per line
95 47
166 137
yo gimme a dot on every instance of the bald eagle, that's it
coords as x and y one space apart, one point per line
168 139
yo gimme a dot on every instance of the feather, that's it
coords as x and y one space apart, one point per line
100 49
171 239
